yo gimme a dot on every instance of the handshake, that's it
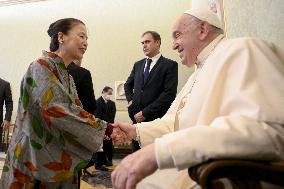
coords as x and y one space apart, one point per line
136 166
121 132
131 169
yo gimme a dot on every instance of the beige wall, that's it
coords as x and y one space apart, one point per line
253 18
256 18
114 29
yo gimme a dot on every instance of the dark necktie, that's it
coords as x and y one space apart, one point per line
147 69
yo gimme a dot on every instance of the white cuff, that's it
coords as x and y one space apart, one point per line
137 135
162 153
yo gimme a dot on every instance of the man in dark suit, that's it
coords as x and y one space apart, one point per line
84 85
5 97
152 85
106 111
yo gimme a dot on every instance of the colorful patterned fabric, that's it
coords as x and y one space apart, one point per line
54 137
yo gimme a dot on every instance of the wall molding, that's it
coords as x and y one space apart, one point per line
16 2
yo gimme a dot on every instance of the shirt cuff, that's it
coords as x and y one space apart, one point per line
163 155
137 135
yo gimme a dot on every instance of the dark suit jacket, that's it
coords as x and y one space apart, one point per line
105 111
84 85
5 96
156 95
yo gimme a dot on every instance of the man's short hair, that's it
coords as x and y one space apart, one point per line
106 88
156 36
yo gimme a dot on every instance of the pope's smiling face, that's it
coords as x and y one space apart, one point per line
185 33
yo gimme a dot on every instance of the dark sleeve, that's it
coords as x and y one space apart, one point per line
99 110
113 112
89 100
8 102
129 84
168 94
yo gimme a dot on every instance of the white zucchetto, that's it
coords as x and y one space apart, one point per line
205 15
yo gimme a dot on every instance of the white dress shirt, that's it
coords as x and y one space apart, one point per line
154 61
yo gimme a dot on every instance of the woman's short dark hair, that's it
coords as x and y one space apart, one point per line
156 36
106 89
62 25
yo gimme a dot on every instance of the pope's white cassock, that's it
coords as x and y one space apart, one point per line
231 107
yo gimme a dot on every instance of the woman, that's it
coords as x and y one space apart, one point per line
54 137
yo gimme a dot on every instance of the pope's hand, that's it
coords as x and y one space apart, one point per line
134 168
123 132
